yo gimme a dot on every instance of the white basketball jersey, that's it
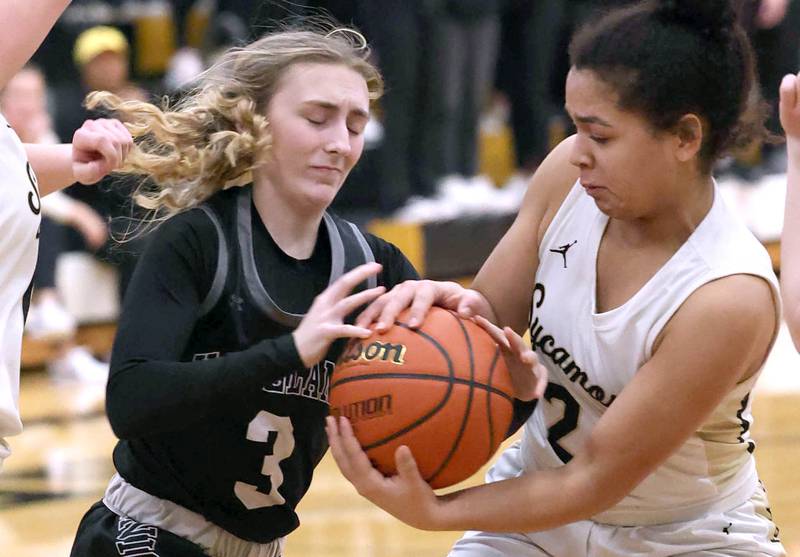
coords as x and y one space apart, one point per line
19 242
592 356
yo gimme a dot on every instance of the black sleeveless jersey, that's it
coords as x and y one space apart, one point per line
233 426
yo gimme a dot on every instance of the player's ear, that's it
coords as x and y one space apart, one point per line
688 137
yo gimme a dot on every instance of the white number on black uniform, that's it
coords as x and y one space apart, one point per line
277 433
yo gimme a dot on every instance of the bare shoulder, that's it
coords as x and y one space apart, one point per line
735 315
741 296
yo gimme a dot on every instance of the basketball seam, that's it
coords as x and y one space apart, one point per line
465 419
425 377
472 384
489 419
419 421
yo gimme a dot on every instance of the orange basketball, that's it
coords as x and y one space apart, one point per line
442 389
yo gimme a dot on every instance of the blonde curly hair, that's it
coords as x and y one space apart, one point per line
218 133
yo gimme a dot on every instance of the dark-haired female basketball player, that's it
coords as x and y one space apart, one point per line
28 172
653 330
221 368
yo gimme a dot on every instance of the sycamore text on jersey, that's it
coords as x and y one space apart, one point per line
546 344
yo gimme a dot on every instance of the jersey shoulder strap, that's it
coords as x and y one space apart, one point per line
223 257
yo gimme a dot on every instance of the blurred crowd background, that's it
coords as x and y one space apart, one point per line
474 102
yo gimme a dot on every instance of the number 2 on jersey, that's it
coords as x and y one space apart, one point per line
567 423
277 434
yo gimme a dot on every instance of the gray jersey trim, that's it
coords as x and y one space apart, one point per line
369 257
221 273
257 291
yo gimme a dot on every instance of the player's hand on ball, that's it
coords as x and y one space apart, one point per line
405 496
99 147
325 320
419 296
528 375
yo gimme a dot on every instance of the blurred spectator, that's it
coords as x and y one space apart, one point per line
55 54
457 44
187 61
395 31
529 39
775 32
102 56
23 102
462 37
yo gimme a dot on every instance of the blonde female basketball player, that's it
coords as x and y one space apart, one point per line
653 324
790 239
220 370
28 172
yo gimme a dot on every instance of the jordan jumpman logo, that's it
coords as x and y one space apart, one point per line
563 251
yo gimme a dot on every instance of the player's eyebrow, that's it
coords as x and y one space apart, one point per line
332 106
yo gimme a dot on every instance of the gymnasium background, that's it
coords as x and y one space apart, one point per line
445 202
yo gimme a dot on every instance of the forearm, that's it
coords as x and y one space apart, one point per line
26 24
509 299
790 244
151 397
534 501
52 165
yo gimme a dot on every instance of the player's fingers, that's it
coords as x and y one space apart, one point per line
354 301
348 331
541 383
110 148
420 305
364 473
91 171
348 281
121 135
85 140
371 313
332 429
471 304
518 345
99 144
467 308
89 125
494 331
398 300
104 125
406 466
788 91
336 446
529 358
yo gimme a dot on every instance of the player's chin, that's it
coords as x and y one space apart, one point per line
323 192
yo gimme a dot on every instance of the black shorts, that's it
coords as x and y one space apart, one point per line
102 533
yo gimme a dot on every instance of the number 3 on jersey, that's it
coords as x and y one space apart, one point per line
277 434
568 421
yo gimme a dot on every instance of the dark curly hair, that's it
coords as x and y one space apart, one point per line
669 58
